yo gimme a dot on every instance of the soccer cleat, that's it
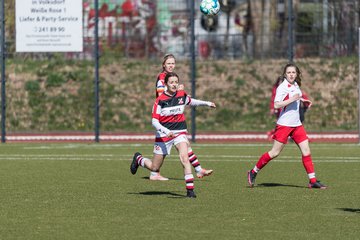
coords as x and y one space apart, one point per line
190 193
204 173
134 164
158 177
251 178
317 184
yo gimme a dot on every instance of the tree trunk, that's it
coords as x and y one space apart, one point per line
263 14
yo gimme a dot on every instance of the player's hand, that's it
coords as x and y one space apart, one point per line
296 97
306 102
212 105
170 135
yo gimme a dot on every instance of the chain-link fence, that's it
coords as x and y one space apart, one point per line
252 29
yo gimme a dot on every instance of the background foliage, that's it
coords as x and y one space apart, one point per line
58 94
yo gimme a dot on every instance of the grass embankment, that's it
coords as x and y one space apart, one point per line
58 94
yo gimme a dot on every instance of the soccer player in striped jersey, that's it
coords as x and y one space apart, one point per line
287 99
169 121
168 66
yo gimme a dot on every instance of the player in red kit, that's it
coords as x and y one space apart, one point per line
287 100
169 121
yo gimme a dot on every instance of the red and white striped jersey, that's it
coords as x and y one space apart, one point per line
169 111
289 115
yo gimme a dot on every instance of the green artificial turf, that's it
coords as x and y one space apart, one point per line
86 191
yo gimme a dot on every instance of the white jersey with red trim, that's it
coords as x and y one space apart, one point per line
160 84
289 115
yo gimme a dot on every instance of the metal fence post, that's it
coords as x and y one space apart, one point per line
193 69
359 88
290 31
96 81
3 93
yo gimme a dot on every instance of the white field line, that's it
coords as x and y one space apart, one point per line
127 145
206 158
196 146
127 156
89 137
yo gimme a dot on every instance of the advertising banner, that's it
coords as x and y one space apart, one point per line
49 26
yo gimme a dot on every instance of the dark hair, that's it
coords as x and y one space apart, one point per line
169 75
298 72
279 80
166 57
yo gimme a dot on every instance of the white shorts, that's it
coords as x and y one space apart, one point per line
164 148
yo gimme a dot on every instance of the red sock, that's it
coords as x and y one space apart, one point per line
193 159
264 159
309 167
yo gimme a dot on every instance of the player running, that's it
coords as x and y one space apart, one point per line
168 66
169 121
287 98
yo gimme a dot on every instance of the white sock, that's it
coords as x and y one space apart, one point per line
198 169
142 161
154 173
311 175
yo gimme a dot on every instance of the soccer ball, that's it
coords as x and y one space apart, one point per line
210 7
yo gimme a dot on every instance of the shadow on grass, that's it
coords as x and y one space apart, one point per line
279 185
354 210
159 193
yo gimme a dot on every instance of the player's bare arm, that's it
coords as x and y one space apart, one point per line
284 103
307 101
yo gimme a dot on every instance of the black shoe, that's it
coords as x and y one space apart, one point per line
190 193
251 178
134 164
317 184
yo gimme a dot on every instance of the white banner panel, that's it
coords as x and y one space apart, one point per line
49 26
